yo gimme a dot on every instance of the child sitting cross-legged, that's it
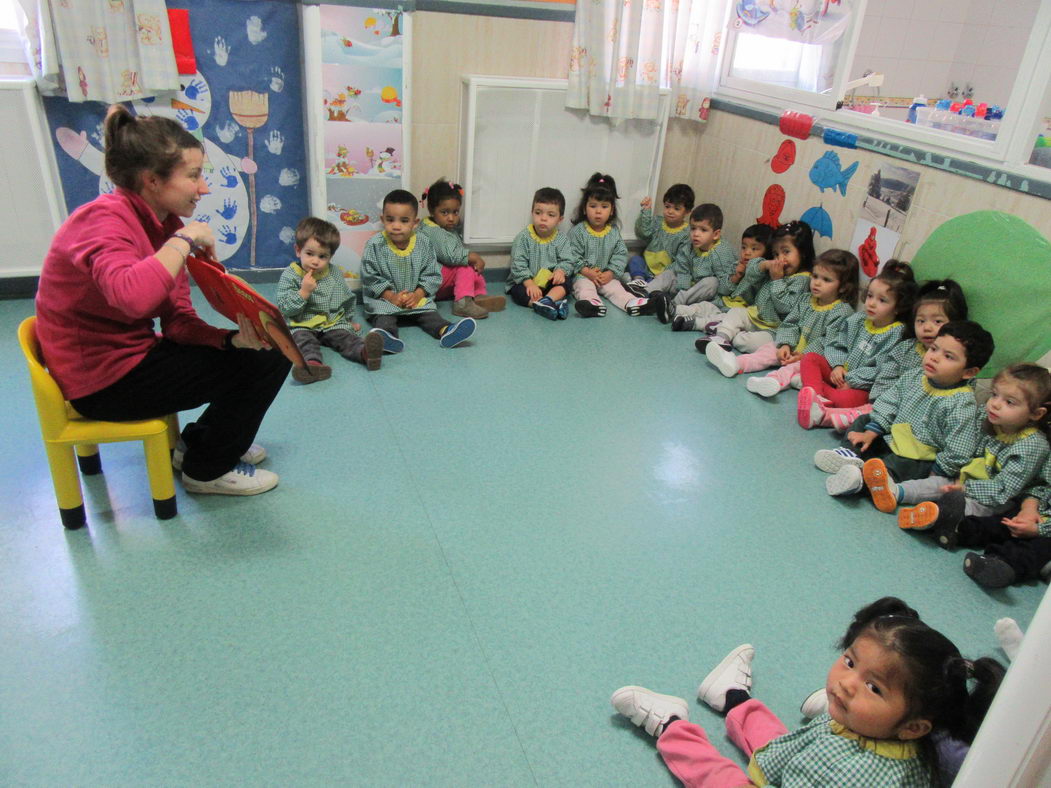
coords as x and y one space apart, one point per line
663 239
314 297
541 263
926 424
400 275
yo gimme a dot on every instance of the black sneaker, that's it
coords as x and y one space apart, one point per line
661 306
702 344
637 287
950 512
682 323
588 309
988 570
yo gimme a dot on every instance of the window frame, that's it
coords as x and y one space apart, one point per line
1010 151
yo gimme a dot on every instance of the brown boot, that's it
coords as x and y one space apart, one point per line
466 307
312 372
372 352
491 303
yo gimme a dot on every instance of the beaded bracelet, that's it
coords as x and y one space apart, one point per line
184 237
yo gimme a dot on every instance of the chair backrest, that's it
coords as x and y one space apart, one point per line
50 404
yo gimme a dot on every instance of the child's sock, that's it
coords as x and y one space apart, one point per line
735 697
1010 636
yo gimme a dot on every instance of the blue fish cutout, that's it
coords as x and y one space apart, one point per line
826 174
819 220
750 13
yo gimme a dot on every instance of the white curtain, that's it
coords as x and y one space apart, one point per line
100 50
802 21
625 51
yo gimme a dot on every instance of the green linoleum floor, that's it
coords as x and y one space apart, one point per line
468 552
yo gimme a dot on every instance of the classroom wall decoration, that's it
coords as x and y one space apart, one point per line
881 219
362 83
245 104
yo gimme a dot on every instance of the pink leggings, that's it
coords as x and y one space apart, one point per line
817 374
695 762
460 281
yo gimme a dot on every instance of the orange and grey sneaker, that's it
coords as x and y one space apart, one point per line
919 517
882 488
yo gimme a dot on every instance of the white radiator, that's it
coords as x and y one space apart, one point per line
31 204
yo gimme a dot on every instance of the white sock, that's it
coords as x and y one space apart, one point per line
1010 636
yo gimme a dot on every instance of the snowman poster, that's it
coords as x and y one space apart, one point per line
362 52
244 104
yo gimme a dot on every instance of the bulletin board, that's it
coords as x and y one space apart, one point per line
516 136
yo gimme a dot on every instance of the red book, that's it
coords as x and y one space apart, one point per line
231 295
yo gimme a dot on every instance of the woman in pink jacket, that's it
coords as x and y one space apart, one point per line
117 264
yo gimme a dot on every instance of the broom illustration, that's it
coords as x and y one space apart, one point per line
250 110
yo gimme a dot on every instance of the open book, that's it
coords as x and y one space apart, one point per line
231 295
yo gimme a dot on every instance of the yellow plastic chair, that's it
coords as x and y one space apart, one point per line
63 430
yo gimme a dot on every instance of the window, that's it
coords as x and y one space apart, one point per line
12 54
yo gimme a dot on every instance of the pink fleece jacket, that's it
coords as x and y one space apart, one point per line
101 288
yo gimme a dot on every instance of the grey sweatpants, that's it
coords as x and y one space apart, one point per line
347 343
929 489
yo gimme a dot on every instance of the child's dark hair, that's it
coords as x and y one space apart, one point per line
1035 382
937 291
845 266
708 212
440 190
679 194
977 342
601 188
401 197
935 676
901 283
802 238
325 233
550 196
764 234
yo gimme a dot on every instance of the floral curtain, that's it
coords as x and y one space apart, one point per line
100 50
625 51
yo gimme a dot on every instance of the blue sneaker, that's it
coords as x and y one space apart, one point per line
562 308
391 344
458 332
545 307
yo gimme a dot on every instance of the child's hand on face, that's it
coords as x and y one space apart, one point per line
306 287
838 377
784 355
735 277
558 277
776 269
604 278
861 440
646 202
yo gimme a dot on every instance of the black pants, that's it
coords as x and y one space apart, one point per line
900 468
430 321
521 297
237 385
347 343
1026 556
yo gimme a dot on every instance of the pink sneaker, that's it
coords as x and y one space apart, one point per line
810 410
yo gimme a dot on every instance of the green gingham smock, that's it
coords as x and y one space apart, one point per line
330 306
386 267
859 347
530 254
604 250
808 326
448 247
1004 465
906 355
663 243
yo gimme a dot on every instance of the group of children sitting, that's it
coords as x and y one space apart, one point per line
895 375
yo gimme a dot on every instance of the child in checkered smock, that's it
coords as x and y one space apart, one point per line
898 691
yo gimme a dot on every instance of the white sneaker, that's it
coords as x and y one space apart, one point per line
255 455
831 460
797 382
734 672
846 481
722 359
244 479
763 385
648 709
816 703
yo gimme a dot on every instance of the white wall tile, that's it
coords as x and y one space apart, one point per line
945 39
890 39
900 9
956 11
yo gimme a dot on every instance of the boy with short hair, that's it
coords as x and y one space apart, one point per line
663 239
400 275
541 263
702 269
314 297
925 425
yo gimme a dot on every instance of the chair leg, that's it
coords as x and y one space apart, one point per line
67 485
173 430
162 483
88 459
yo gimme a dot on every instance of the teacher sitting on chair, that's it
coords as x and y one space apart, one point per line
119 262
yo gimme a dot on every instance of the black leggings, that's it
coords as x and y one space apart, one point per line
1026 556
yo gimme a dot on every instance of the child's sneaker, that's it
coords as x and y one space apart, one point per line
682 323
562 307
255 454
491 303
882 488
663 308
763 385
372 352
648 709
313 372
796 382
457 333
846 481
710 328
988 570
810 411
919 517
733 673
391 344
831 460
638 306
590 309
467 307
244 479
722 359
545 307
815 703
637 287
702 344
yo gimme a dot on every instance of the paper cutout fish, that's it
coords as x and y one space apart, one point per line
826 173
785 156
773 203
819 220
